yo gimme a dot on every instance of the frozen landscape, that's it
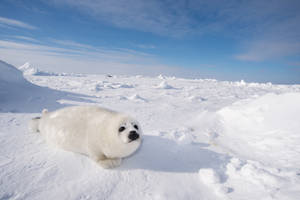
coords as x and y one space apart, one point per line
203 138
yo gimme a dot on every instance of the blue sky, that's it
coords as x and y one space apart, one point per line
257 41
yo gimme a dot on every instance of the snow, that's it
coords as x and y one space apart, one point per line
204 139
209 176
164 85
212 179
265 126
28 69
136 97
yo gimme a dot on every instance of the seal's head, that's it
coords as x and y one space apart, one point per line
129 130
125 136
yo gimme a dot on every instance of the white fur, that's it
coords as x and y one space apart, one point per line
89 130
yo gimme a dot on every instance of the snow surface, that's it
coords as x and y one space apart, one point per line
28 69
204 139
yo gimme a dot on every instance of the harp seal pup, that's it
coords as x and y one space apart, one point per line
104 135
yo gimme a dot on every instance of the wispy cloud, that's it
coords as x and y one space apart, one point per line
249 23
145 46
15 23
268 49
295 64
181 17
93 53
159 17
72 44
84 60
20 37
276 36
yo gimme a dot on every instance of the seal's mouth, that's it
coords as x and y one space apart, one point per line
135 140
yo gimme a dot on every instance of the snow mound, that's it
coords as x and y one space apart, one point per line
120 85
137 97
268 127
209 176
13 86
264 129
9 74
266 180
213 180
19 95
183 136
29 70
263 137
108 85
241 83
161 77
253 172
196 98
97 87
164 85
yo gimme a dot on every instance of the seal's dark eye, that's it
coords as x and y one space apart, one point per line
122 128
136 127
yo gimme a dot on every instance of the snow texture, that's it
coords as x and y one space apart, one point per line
204 139
164 85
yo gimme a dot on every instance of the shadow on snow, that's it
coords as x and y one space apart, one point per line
160 154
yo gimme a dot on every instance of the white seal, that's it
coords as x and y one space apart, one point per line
105 136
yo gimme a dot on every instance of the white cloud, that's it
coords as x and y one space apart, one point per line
15 23
145 46
71 44
279 39
268 49
159 17
247 22
94 60
20 37
174 18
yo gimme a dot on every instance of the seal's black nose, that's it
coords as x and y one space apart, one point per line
133 135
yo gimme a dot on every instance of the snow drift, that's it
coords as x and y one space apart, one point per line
262 136
29 70
19 95
268 127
